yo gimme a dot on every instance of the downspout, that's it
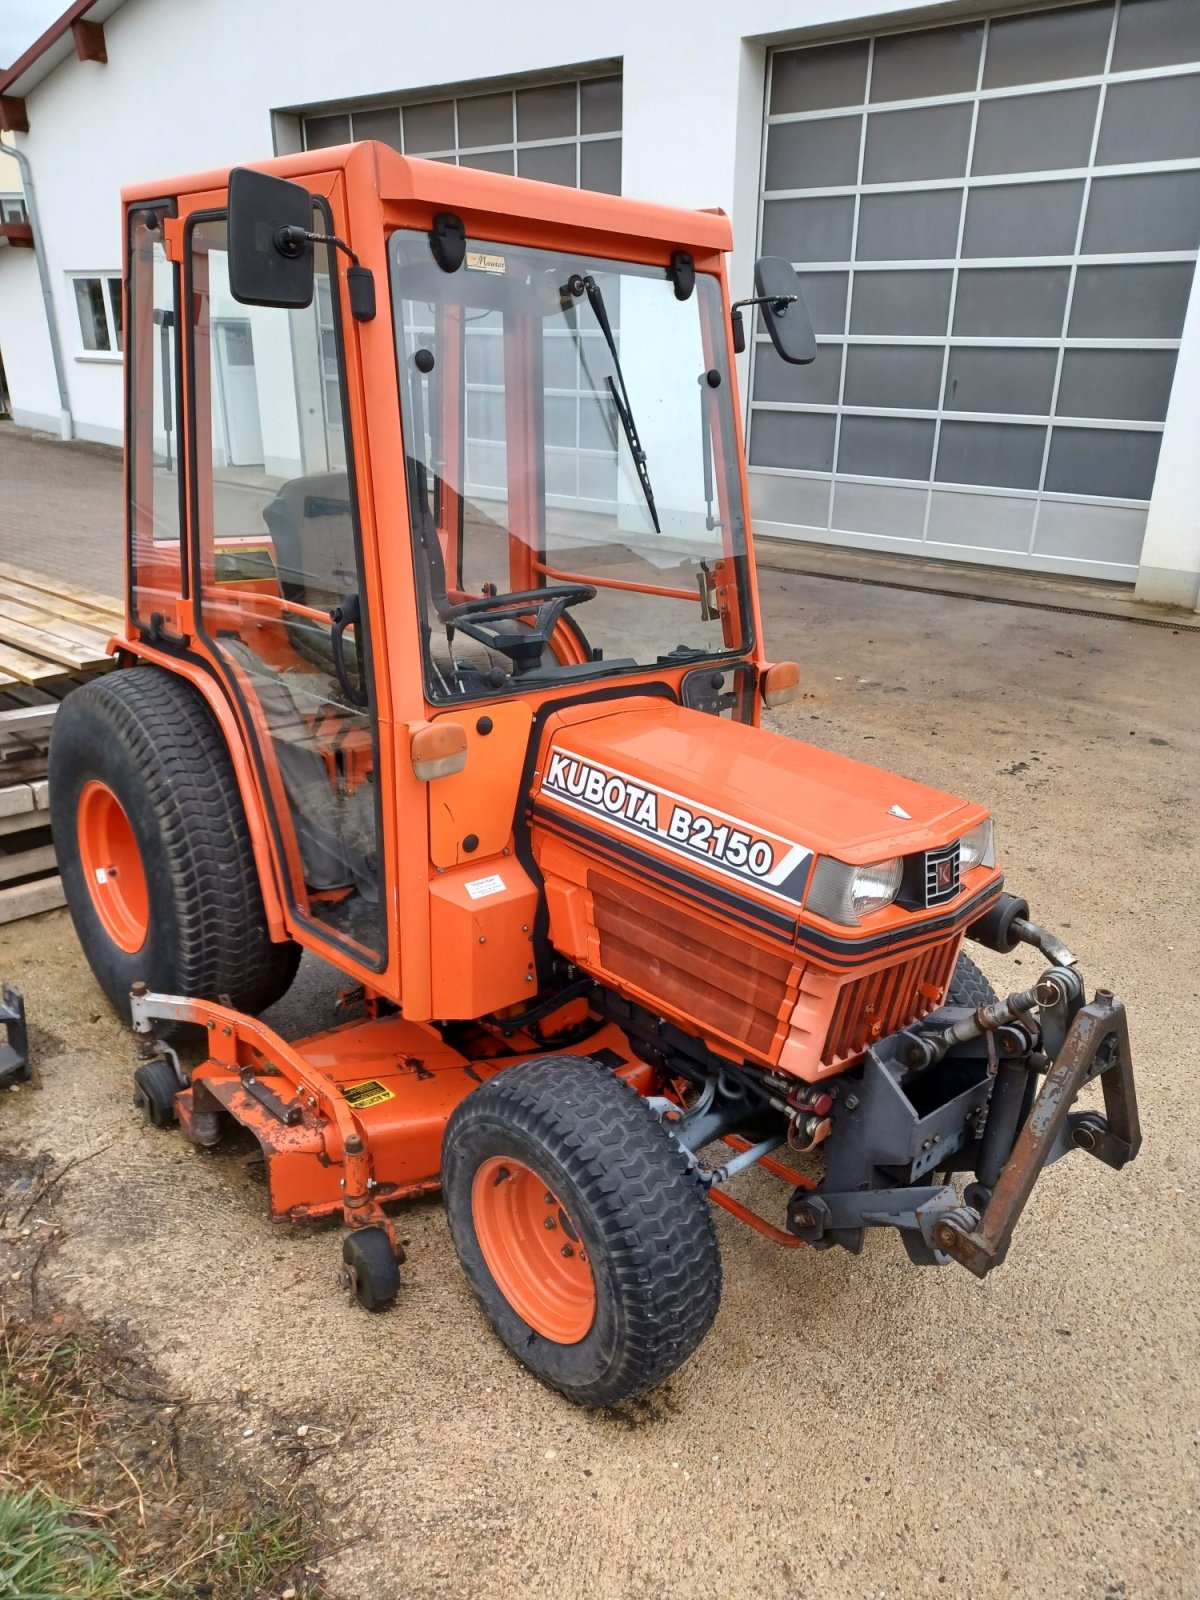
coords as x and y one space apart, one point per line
66 421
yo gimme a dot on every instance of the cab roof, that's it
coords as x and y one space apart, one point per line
409 181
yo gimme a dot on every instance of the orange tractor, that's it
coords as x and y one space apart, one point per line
443 661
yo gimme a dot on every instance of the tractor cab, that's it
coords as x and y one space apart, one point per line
443 661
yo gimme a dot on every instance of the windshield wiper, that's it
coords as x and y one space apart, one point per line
620 398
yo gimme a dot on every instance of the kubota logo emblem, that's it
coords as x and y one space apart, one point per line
945 874
679 824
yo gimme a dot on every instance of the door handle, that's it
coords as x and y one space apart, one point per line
347 615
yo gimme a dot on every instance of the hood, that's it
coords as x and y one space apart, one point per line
749 779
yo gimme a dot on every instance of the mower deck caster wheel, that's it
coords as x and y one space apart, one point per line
156 1083
369 1268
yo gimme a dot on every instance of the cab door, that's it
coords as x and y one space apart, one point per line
280 597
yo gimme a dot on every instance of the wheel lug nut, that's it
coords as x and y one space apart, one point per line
549 1198
568 1250
549 1223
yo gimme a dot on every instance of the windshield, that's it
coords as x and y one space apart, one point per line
573 482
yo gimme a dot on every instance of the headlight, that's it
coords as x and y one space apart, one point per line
842 893
977 848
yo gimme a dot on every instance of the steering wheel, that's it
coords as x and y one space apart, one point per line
523 648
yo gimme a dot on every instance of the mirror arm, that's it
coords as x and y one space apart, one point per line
776 303
360 280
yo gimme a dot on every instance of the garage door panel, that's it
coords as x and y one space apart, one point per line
996 454
981 521
1011 302
916 303
1035 132
809 230
982 378
486 119
883 509
1136 213
600 166
1041 47
1150 120
908 377
1156 33
825 295
600 102
931 61
1130 384
918 225
1023 219
926 142
1097 532
886 447
1004 277
813 155
1102 461
820 77
818 383
802 440
1144 301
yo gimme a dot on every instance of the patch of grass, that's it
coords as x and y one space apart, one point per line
112 1489
48 1552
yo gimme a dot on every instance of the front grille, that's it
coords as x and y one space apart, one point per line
941 874
690 965
868 1008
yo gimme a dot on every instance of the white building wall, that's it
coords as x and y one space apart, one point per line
192 87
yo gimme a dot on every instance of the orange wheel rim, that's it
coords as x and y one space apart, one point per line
533 1250
112 865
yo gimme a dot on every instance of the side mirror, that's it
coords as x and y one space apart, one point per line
777 290
270 253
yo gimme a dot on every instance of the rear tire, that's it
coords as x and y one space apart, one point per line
969 987
616 1196
140 779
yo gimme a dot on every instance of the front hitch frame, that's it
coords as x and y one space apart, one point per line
1096 1046
985 1117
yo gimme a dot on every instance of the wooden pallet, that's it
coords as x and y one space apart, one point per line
53 637
29 880
50 629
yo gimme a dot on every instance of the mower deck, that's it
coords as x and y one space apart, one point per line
347 1119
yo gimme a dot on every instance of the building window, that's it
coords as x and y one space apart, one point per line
98 302
567 133
12 209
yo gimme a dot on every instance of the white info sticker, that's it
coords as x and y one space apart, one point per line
480 888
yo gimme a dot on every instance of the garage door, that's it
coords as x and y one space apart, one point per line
997 226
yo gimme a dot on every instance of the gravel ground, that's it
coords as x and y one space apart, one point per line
851 1427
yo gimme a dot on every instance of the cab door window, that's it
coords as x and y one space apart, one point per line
280 580
154 521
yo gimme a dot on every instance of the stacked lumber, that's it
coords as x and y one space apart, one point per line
53 636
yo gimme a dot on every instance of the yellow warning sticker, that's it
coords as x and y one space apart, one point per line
371 1093
480 261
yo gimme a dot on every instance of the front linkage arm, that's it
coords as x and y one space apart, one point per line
960 1094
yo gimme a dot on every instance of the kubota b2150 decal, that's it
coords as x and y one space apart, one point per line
683 826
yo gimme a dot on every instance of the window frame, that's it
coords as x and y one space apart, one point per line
317 933
724 660
165 208
114 320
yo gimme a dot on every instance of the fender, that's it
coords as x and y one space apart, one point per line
189 666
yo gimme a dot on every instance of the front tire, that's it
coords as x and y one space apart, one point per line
581 1227
969 987
153 846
